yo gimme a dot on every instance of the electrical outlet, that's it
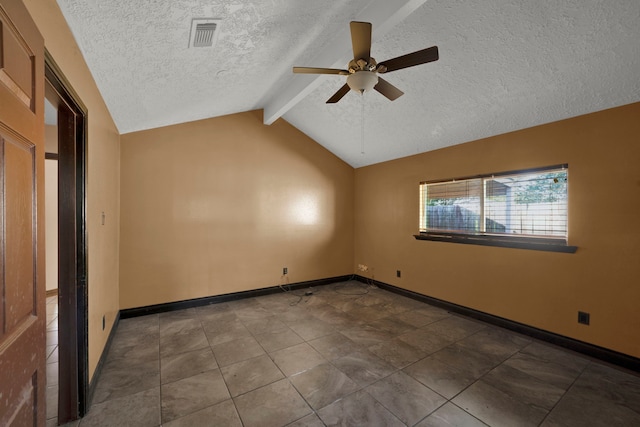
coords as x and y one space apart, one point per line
363 267
285 271
583 317
398 273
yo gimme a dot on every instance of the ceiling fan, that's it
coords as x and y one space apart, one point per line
363 70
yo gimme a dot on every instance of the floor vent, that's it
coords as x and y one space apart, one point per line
204 32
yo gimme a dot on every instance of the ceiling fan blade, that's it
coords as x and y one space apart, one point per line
312 70
339 94
388 90
409 60
361 40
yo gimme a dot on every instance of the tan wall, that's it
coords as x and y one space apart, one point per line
222 205
103 181
541 289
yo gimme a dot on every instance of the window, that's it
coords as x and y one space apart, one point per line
516 209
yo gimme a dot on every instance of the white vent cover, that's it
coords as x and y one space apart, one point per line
204 32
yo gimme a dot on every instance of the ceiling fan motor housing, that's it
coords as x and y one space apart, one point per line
362 81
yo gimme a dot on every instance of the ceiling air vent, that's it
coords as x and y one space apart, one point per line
204 32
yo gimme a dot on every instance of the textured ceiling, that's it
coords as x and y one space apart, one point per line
504 65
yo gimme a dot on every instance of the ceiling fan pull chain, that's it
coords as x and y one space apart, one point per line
362 125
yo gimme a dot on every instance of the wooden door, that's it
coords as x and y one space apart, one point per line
22 307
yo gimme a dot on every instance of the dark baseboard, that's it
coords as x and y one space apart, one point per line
199 302
103 357
591 350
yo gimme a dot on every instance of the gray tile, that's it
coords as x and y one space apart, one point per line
318 308
338 319
52 337
455 328
217 311
397 353
405 397
323 385
53 357
366 335
182 336
601 396
51 396
136 343
392 326
363 367
295 315
221 414
559 374
177 315
394 306
474 364
245 303
497 408
149 324
432 311
296 359
265 325
449 415
427 341
358 409
136 410
310 420
505 336
250 374
351 290
52 374
49 350
369 300
183 365
251 313
123 377
440 377
222 332
524 387
341 302
311 329
334 346
274 405
369 313
611 383
178 324
53 325
191 394
577 409
494 344
419 319
273 341
237 351
557 356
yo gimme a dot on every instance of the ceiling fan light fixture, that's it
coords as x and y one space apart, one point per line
362 81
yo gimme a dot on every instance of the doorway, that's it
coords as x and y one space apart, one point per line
71 124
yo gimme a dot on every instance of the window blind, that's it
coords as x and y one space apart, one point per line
529 203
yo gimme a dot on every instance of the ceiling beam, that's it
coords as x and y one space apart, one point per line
383 15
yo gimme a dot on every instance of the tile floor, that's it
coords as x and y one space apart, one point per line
52 360
348 355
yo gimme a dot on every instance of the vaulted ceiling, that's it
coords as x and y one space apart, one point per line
504 65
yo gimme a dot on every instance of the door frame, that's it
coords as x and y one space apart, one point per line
73 348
